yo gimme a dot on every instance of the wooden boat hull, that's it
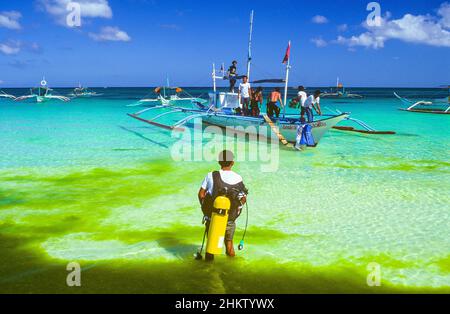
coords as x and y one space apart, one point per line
425 111
288 127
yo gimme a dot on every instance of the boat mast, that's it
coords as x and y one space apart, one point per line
249 57
214 78
288 67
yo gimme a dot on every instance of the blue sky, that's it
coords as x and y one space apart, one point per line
141 42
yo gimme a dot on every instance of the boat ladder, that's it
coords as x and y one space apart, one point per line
277 132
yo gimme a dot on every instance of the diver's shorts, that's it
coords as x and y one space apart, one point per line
231 228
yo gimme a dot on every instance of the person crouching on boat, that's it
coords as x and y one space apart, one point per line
244 94
214 184
273 101
256 102
312 102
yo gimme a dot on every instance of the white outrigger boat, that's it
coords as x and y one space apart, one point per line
164 98
5 95
42 94
340 93
224 110
439 106
84 92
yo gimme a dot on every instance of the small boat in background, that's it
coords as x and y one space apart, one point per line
42 94
167 96
81 91
439 106
5 95
340 93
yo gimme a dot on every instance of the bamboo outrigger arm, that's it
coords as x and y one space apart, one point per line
367 129
176 126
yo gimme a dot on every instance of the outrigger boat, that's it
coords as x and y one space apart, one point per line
439 106
42 94
81 91
5 95
340 93
224 110
164 98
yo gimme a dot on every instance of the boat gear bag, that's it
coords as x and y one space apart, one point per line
221 188
304 136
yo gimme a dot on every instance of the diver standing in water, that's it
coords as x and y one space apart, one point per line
223 182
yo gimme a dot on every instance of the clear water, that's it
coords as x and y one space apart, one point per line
83 182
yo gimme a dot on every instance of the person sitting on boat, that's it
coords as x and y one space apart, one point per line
232 75
212 185
312 102
273 101
256 102
244 94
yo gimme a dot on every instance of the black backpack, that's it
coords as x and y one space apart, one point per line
221 188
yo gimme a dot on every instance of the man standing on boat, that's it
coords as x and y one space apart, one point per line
256 102
244 94
212 185
312 102
273 101
232 75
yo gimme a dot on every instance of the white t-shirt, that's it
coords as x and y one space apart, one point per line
302 97
310 101
229 177
244 88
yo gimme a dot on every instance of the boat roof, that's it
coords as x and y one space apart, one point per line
276 81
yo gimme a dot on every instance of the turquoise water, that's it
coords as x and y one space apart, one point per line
83 182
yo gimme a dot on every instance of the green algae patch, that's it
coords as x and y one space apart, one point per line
30 273
444 264
135 230
97 188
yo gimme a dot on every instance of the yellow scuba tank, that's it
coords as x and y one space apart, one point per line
218 225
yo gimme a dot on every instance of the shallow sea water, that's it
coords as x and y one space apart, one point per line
82 182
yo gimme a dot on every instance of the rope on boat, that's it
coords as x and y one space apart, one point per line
277 132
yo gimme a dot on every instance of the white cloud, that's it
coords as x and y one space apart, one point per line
444 13
319 19
319 42
365 39
10 19
110 33
418 29
10 47
89 9
343 28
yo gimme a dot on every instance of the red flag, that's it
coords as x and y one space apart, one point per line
288 53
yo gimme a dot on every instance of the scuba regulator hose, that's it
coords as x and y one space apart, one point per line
241 244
